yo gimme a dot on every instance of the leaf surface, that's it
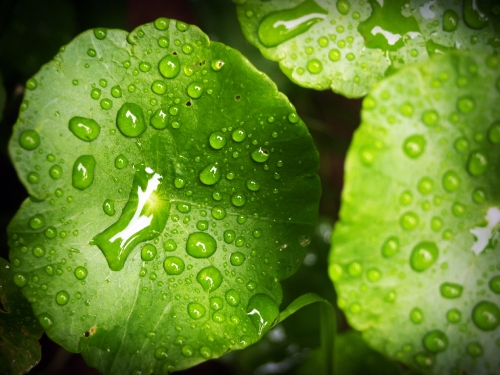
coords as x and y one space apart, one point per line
350 45
171 186
416 256
19 329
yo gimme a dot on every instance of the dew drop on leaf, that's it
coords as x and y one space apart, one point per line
238 199
19 279
170 245
130 120
423 255
450 290
81 273
218 212
195 90
477 163
38 251
84 128
217 140
62 298
46 320
109 207
169 66
37 221
216 303
159 120
29 140
201 245
414 146
148 252
486 316
263 312
83 172
260 155
453 315
435 341
174 265
475 349
233 298
210 278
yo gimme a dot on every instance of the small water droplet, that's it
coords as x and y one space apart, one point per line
237 259
37 221
81 273
121 161
62 298
109 207
450 20
217 140
218 212
130 120
31 84
170 66
416 315
414 146
477 163
409 221
29 140
260 155
83 172
475 349
84 128
233 297
19 279
148 252
201 245
210 278
435 341
239 135
494 284
195 90
46 320
238 199
211 174
451 290
263 312
170 245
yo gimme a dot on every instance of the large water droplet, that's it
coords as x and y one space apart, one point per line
37 221
143 218
194 90
450 20
46 320
174 265
283 25
84 128
130 120
196 310
211 174
409 221
263 312
423 256
229 236
486 316
253 185
495 284
81 273
477 163
239 135
29 139
121 161
148 252
109 207
451 290
435 341
216 303
238 199
83 172
233 297
170 66
451 181
209 278
416 315
390 246
237 259
201 245
218 212
19 279
473 16
217 140
343 6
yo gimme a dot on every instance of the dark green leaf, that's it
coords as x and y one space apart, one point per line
19 329
415 255
350 45
160 235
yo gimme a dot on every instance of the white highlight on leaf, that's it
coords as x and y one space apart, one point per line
138 221
485 235
296 22
391 38
426 10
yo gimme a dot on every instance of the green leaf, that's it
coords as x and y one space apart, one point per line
351 357
415 255
19 329
350 45
164 216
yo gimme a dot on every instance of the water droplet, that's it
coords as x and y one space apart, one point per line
473 16
201 245
293 118
233 297
37 221
435 341
130 120
218 212
477 163
466 104
495 284
62 298
46 320
217 140
430 117
160 353
196 311
170 66
314 66
478 195
206 352
170 245
217 64
181 26
260 155
109 207
451 181
174 265
425 185
81 273
280 26
450 20
148 252
38 251
406 109
494 133
209 278
194 90
229 236
238 199
453 315
84 128
100 33
31 84
50 232
253 185
116 91
263 312
414 146
475 349
121 161
159 119
237 259
343 6
486 316
451 290
216 303
211 174
416 315
423 256
409 221
187 351
144 66
83 172
29 140
239 135
19 279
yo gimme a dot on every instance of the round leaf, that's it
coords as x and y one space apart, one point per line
171 186
416 256
349 45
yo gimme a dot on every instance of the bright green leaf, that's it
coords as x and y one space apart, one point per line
19 329
155 233
416 254
350 45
